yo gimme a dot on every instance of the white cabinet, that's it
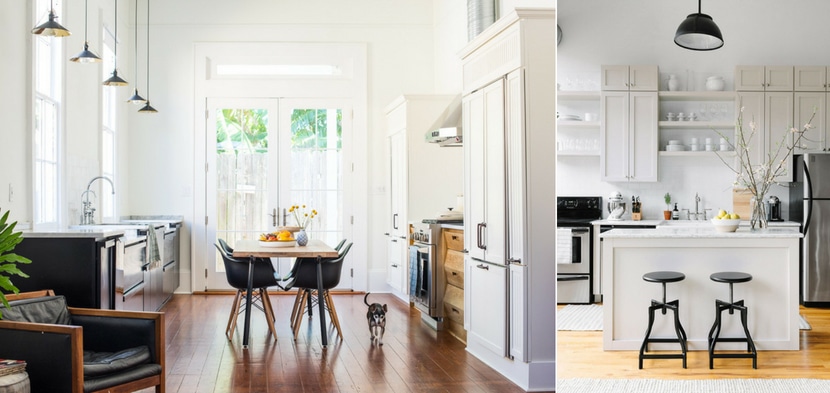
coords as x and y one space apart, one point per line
629 77
415 192
772 113
811 78
487 313
805 103
485 203
764 78
510 129
629 136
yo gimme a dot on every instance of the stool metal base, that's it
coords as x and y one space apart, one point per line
714 333
678 328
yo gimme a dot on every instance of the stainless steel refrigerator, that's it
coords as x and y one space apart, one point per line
810 204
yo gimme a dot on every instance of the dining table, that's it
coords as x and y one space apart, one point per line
253 249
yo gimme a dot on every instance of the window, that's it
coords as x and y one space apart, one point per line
48 75
109 122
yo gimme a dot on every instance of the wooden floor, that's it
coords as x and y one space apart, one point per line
414 358
580 355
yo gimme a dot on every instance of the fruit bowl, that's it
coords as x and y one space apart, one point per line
289 229
278 243
726 225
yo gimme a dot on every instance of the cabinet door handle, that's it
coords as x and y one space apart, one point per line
454 273
455 311
454 237
394 265
480 235
395 221
464 251
483 266
403 237
394 240
386 234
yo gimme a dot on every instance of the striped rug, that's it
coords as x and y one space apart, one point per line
590 385
579 317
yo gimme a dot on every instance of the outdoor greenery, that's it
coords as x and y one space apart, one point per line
247 129
9 260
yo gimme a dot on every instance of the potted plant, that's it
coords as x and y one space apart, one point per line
9 260
667 212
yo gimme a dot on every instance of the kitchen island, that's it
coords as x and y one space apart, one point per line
771 256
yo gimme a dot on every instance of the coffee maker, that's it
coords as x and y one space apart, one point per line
774 208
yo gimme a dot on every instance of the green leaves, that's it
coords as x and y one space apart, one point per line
9 260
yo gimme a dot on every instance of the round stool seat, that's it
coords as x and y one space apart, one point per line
664 276
730 277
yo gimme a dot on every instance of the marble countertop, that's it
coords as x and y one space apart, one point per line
97 231
685 223
701 232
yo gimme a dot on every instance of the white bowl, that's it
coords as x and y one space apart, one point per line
724 225
278 243
675 148
674 142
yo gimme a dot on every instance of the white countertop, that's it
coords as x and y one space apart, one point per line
685 223
699 232
98 231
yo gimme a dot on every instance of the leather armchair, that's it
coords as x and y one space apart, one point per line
84 350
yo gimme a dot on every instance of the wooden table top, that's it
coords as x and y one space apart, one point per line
314 248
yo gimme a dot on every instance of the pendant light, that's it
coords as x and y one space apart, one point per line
136 98
115 80
147 107
51 27
86 55
698 32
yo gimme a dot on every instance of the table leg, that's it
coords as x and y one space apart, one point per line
320 300
247 330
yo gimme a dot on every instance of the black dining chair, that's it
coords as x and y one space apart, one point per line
305 280
236 271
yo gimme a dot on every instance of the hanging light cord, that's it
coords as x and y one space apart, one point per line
86 18
136 44
148 51
115 51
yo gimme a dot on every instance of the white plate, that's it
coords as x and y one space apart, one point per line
278 243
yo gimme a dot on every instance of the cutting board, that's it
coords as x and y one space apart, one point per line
740 202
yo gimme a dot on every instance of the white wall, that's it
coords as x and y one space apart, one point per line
757 32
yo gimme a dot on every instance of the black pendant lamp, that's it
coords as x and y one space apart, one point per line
51 27
698 32
136 98
147 107
86 55
115 80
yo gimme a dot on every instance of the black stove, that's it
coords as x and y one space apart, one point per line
577 211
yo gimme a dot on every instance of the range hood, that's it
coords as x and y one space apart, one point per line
447 130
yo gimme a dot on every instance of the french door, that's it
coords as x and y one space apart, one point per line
265 155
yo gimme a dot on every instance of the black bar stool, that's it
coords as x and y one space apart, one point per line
664 277
721 306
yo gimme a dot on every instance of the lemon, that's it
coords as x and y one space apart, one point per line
722 213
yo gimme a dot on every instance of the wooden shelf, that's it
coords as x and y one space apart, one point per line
696 124
578 95
697 95
729 153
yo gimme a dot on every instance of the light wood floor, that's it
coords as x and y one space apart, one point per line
414 358
580 355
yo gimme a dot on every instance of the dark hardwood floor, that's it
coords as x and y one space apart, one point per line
414 358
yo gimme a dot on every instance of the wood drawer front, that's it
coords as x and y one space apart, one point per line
457 330
454 268
454 304
454 239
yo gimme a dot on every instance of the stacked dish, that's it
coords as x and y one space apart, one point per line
675 145
570 117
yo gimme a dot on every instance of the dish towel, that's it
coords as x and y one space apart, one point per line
564 245
152 246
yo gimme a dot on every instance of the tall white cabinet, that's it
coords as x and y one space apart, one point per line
509 103
424 178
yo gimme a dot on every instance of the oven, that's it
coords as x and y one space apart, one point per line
574 248
426 276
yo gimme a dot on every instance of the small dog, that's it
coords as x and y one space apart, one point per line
376 317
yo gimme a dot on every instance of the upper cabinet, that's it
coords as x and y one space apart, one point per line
629 77
764 78
811 78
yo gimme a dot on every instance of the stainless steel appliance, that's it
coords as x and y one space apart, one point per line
810 204
427 281
574 272
774 208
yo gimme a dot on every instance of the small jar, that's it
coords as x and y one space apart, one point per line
714 83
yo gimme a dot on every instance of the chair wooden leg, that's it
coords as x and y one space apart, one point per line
333 314
234 314
298 301
269 312
299 320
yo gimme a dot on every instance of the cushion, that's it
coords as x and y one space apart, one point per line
47 309
103 363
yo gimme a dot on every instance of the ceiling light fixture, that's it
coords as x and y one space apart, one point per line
147 107
115 80
136 98
51 27
698 32
86 55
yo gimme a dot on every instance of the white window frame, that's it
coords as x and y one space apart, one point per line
46 211
109 127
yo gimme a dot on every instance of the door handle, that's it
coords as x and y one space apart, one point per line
480 235
284 217
274 217
395 221
483 266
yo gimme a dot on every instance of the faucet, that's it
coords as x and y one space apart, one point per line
697 210
88 217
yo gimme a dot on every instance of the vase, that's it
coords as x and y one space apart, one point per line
302 237
758 213
674 84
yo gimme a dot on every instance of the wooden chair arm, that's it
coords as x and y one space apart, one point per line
76 338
